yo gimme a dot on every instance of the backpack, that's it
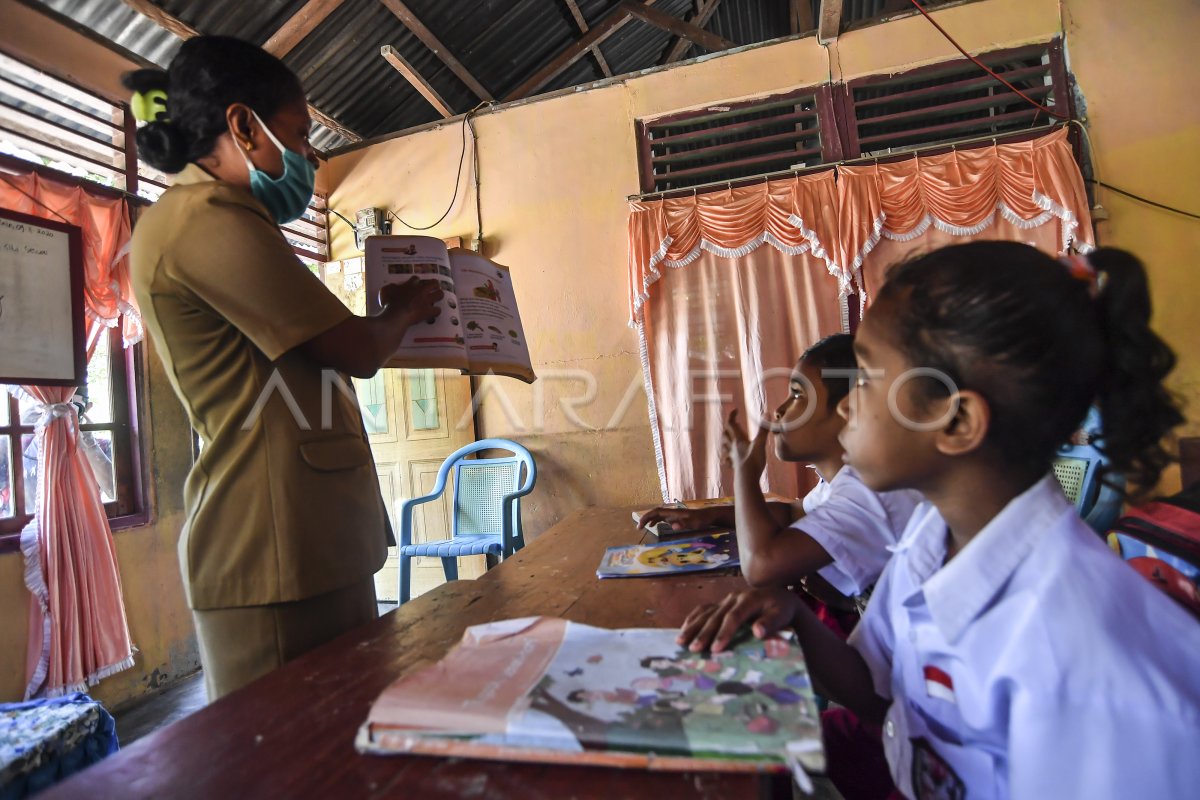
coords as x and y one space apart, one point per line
1161 540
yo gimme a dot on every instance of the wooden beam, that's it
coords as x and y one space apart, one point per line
830 23
440 50
709 41
185 31
419 83
801 16
583 28
299 25
597 34
703 14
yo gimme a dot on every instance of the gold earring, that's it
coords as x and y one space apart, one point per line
248 145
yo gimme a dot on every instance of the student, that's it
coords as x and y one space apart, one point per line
844 530
284 523
1006 651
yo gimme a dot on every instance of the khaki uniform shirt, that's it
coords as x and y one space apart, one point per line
283 502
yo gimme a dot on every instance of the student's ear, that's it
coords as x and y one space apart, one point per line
967 427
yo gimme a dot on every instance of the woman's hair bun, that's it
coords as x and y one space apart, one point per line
163 146
145 80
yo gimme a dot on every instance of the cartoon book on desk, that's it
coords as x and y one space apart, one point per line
479 330
697 554
545 689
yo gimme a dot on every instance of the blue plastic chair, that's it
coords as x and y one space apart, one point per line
1076 469
486 518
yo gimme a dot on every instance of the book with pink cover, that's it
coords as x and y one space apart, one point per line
545 689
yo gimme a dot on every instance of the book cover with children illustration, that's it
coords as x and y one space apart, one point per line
547 689
697 554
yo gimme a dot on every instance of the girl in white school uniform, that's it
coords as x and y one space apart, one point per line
1006 651
838 543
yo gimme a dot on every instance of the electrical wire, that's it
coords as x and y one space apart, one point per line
1095 162
1145 200
457 179
985 67
343 219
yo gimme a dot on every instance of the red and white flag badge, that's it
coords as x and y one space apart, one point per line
938 684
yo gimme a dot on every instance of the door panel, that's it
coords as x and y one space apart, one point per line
410 417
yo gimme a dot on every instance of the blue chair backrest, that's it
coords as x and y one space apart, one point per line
481 484
1075 467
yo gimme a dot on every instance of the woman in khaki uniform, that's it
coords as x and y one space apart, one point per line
285 524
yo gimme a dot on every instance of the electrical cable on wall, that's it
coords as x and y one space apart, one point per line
1145 200
458 177
985 67
1095 162
343 219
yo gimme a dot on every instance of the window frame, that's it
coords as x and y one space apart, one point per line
837 122
129 509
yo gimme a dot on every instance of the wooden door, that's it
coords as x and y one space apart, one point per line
414 420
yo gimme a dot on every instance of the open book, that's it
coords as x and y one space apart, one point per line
545 689
694 554
479 330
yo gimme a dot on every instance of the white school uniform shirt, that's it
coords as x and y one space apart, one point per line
856 526
1035 664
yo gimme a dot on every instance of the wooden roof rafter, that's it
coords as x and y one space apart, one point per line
393 57
583 28
427 38
184 31
800 16
704 12
679 27
299 25
830 23
610 24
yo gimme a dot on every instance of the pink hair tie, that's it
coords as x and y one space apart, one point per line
1081 269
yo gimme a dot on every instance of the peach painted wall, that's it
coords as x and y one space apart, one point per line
554 175
1135 64
159 621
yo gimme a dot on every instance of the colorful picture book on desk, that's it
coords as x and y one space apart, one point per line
678 556
545 689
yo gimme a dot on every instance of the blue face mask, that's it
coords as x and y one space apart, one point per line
287 196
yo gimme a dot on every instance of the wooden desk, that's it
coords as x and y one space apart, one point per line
291 733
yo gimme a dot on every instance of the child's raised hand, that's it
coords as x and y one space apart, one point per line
739 451
714 625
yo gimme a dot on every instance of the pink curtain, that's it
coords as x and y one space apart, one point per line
1028 191
78 632
750 284
720 328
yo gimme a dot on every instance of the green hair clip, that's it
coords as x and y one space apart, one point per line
149 106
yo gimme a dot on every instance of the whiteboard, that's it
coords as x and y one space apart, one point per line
41 301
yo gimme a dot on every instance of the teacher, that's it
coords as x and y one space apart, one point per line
285 525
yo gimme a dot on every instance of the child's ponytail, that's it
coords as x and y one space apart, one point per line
1136 409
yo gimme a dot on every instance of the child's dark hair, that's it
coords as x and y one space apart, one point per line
207 75
1042 345
835 352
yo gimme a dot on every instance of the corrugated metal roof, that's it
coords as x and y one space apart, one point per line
501 43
